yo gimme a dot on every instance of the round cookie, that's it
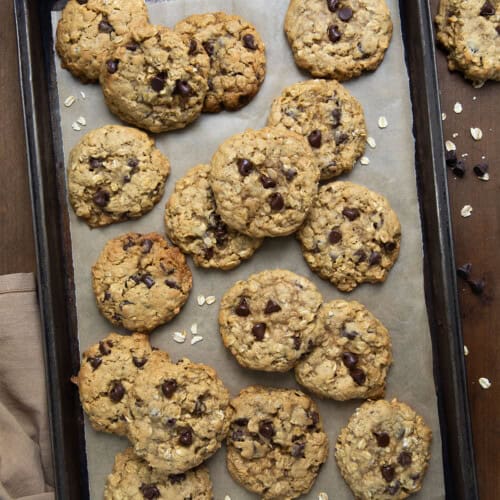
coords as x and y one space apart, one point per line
237 57
338 38
106 375
193 224
140 282
353 357
133 479
114 174
269 320
264 181
155 81
276 444
181 414
89 29
329 117
384 450
351 235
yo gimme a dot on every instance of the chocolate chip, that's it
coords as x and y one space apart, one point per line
487 9
298 450
129 243
374 259
95 362
290 174
171 422
360 255
390 246
107 296
192 46
459 168
498 29
480 169
210 84
266 429
237 435
132 46
168 387
276 201
404 458
345 14
335 236
387 472
297 342
259 330
199 407
186 437
393 488
349 335
82 2
249 42
314 139
464 271
172 284
95 163
221 234
351 213
336 115
208 253
112 65
333 33
104 349
149 491
182 88
158 82
136 278
242 308
117 392
477 286
333 5
139 362
267 182
451 158
245 167
341 138
243 422
358 375
105 27
176 478
101 198
314 416
382 438
349 359
271 307
148 280
209 47
147 245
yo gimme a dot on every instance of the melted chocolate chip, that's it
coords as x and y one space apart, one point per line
95 163
182 88
249 42
139 362
345 14
267 182
276 201
480 169
132 46
95 362
464 271
104 349
129 243
358 375
361 256
297 342
404 458
333 33
335 236
172 284
314 139
242 422
259 330
186 437
272 307
242 308
147 245
333 5
351 213
487 9
117 392
176 478
382 438
374 259
245 167
390 246
349 335
149 491
168 387
192 46
336 115
209 47
387 472
290 174
266 429
105 27
158 82
112 65
101 198
298 450
148 280
349 359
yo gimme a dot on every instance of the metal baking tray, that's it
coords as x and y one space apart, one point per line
54 258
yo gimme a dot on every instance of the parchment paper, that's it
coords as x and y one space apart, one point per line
398 303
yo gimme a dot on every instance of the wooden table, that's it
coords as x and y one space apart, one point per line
477 238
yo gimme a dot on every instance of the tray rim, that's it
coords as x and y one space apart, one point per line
55 279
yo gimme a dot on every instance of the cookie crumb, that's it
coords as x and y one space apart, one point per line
382 122
322 496
196 339
454 135
69 100
210 299
474 98
484 177
484 383
227 497
450 146
194 328
364 160
466 211
200 299
179 337
82 93
371 142
466 350
81 120
443 116
75 126
477 133
458 108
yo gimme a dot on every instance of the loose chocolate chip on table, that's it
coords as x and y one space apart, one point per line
476 286
148 280
334 34
168 387
245 167
358 375
459 168
241 422
132 46
209 47
149 491
104 349
271 307
351 213
249 42
333 5
404 458
487 9
95 163
298 450
314 139
112 65
464 271
158 82
349 359
101 198
276 201
139 362
172 284
345 14
480 169
95 362
147 245
192 46
336 115
335 236
182 88
186 437
105 27
176 478
242 308
387 472
266 429
290 174
382 438
297 342
451 158
374 259
267 182
259 330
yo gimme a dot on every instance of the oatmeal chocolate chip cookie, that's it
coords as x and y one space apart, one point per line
264 181
192 223
133 479
106 375
154 81
237 57
180 414
115 173
353 357
329 117
351 235
276 443
338 38
89 29
470 31
140 282
269 320
384 450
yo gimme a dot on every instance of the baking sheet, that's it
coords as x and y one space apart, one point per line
399 303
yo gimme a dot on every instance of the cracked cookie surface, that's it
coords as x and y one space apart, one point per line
329 117
115 173
384 450
264 181
89 29
154 82
133 479
140 282
106 376
237 57
351 235
338 38
180 414
353 356
193 224
276 443
269 320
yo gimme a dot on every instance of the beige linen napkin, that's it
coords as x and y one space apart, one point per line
25 452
